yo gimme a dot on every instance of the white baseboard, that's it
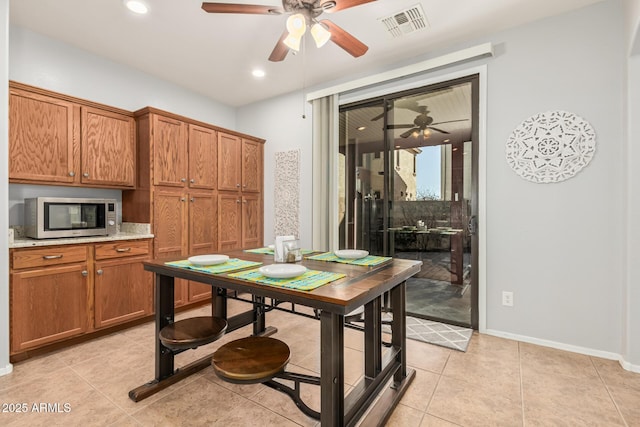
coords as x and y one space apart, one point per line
567 347
6 370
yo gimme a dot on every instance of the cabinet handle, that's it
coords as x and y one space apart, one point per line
52 257
123 249
192 180
193 199
99 272
86 175
183 179
244 201
182 199
238 185
85 273
72 173
238 201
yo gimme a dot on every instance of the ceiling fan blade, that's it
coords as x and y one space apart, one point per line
343 4
451 121
438 130
409 132
280 50
378 117
400 126
255 9
345 40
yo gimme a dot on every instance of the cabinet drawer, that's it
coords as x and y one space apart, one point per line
122 249
30 258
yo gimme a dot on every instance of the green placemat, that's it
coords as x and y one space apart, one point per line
268 251
368 261
231 265
308 281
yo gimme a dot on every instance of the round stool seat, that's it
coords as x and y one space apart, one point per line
251 360
192 332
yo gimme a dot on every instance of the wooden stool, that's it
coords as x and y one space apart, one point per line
251 360
260 360
192 332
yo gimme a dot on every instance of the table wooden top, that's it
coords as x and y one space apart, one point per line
361 284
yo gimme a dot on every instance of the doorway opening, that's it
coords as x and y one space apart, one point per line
408 165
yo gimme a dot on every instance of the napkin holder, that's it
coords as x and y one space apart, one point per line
279 247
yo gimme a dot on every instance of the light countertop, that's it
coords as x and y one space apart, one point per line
126 231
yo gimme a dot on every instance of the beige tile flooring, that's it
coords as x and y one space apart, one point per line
496 382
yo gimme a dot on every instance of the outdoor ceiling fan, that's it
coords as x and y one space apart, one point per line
302 13
422 124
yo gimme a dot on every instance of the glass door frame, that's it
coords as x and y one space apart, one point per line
386 101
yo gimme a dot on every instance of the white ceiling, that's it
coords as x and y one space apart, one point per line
214 54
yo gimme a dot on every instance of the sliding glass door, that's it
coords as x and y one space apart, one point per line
408 189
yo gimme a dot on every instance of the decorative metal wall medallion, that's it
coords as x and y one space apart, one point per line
551 147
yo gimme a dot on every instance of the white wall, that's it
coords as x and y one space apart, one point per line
558 247
280 122
5 367
631 349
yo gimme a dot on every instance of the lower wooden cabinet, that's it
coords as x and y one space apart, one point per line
60 292
48 305
122 292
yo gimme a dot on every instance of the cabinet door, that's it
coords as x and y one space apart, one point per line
48 305
251 166
229 168
108 148
203 167
169 223
169 152
199 291
123 291
203 223
43 138
251 221
229 221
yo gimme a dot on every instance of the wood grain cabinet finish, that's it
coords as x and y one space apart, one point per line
108 148
43 138
59 140
60 292
48 305
251 221
186 169
123 291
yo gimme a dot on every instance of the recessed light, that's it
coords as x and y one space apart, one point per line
136 6
361 127
446 140
258 73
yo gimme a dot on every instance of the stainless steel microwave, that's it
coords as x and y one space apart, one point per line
56 217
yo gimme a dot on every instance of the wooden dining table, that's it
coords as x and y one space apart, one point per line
385 368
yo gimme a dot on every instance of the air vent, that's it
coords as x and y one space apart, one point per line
406 21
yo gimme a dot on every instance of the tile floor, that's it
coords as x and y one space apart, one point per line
496 382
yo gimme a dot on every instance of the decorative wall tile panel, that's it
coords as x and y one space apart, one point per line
551 147
287 193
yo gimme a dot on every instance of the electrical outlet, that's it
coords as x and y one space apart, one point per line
507 298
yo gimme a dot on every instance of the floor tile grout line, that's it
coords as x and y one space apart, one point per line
522 407
606 387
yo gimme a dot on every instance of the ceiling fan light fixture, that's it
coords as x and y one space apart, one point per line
320 34
292 42
296 25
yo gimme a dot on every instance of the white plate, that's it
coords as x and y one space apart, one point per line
351 253
283 271
204 260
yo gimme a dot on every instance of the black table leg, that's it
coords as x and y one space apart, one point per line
331 369
373 338
164 316
399 329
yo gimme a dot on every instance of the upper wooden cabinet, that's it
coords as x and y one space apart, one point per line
60 140
203 166
169 151
239 164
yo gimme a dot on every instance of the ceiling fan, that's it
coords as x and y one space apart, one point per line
302 13
422 124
